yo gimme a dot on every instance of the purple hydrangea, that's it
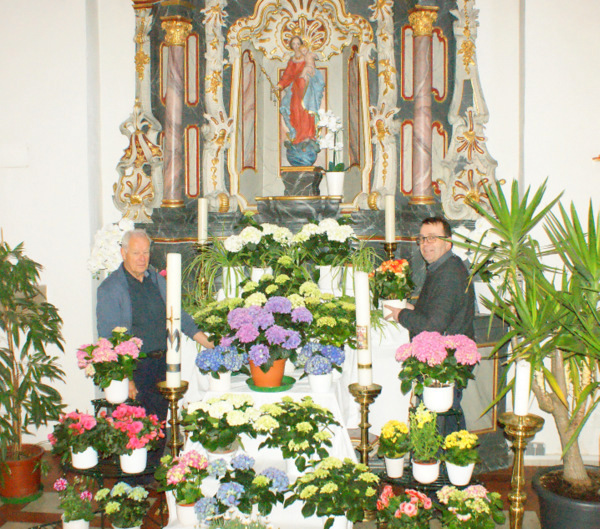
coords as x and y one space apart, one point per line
238 317
229 494
263 319
247 333
226 341
318 365
279 480
259 354
335 354
302 315
276 335
242 462
293 340
279 305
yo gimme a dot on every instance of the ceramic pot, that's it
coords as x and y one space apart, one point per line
335 183
117 391
223 383
256 273
329 278
425 472
186 515
438 399
75 524
459 475
134 527
86 459
232 276
272 378
396 303
21 478
135 462
348 279
227 453
394 466
321 383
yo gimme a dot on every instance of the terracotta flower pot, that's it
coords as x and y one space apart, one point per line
23 477
272 378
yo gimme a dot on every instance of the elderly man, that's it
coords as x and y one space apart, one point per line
446 303
134 296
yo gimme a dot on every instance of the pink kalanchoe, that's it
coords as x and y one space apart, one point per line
60 484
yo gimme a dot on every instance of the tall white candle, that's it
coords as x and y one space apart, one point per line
202 220
363 328
173 320
521 387
390 218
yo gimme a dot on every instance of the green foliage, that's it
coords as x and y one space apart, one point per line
394 440
460 448
470 508
425 441
183 475
27 370
75 498
125 506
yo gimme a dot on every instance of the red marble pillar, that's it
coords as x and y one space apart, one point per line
177 30
422 19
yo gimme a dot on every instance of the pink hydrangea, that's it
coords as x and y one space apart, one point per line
403 352
465 349
127 348
430 348
476 491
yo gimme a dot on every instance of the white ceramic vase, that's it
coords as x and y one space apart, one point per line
459 475
394 466
348 280
117 391
86 459
186 515
75 524
135 462
438 399
335 183
329 278
320 383
256 273
425 472
395 303
221 384
232 276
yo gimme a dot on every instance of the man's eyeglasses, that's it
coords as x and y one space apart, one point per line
429 238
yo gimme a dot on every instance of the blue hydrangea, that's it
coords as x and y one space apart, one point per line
229 494
210 360
217 468
318 365
279 480
335 354
206 508
259 354
233 361
242 462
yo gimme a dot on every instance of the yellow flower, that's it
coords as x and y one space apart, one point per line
308 492
329 487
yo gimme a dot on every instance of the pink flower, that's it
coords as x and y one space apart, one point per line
476 491
86 495
429 347
163 273
127 348
384 498
60 484
408 508
51 438
465 349
403 352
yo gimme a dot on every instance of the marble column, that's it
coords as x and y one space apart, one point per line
421 19
177 30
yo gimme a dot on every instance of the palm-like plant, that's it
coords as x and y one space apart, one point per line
551 310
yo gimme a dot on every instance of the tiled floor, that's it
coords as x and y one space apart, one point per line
46 509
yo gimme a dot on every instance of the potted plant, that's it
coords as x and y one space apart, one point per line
319 361
394 443
76 437
552 318
219 363
124 506
409 509
460 454
470 508
425 443
111 363
334 318
435 364
336 488
391 280
218 422
75 502
302 430
27 371
330 126
328 244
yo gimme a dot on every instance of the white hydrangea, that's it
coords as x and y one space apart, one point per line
300 237
219 409
327 224
340 233
268 229
310 229
250 234
283 236
238 400
233 243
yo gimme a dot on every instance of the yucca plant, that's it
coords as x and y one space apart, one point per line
548 296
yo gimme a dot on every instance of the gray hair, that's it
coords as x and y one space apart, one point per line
133 233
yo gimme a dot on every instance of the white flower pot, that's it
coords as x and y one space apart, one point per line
329 278
75 524
394 466
335 183
459 475
135 462
117 391
395 303
425 472
232 276
438 399
186 515
226 453
86 459
320 383
223 383
256 273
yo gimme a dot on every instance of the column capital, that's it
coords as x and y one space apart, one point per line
143 4
421 19
178 29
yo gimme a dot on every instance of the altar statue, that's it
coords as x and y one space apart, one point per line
304 86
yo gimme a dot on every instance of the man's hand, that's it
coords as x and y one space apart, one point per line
132 390
203 340
394 312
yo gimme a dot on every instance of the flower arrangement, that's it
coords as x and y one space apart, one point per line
183 475
391 280
75 499
213 316
410 509
470 508
301 429
431 358
220 359
75 431
218 422
460 448
131 428
106 252
327 243
328 138
110 359
319 359
336 488
124 505
394 440
425 441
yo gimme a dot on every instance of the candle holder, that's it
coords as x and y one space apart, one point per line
173 395
390 249
201 249
365 396
519 429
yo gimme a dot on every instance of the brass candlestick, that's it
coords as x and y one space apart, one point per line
202 248
519 430
173 395
390 249
365 396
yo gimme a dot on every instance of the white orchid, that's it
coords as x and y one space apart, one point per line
328 139
106 252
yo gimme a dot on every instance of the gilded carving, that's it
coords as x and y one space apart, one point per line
214 83
422 19
177 30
